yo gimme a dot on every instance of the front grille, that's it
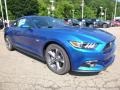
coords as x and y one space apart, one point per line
108 46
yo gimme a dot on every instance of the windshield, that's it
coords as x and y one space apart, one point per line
47 22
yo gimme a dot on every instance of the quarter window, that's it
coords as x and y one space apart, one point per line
14 24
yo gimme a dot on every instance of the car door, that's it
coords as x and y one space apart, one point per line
24 35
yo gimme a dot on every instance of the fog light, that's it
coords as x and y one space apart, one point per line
91 63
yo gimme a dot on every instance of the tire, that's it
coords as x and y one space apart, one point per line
9 43
91 26
105 25
57 59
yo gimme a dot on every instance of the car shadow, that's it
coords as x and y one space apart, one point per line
71 72
83 73
31 56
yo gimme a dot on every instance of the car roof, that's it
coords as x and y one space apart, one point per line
35 16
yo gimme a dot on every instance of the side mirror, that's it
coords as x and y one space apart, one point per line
25 26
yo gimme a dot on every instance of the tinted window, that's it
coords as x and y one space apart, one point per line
40 22
47 22
21 22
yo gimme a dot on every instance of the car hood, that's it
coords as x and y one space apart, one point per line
89 33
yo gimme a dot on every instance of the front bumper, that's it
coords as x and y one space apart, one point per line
79 59
98 67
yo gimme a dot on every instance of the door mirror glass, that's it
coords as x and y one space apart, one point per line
25 26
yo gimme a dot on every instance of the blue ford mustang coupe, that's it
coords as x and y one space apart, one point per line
62 47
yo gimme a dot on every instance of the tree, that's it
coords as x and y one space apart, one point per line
63 8
18 8
89 13
42 7
96 4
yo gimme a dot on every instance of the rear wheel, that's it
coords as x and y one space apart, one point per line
105 25
9 43
57 59
91 26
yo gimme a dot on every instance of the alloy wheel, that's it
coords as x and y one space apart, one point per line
57 59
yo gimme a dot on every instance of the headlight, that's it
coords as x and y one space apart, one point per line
83 45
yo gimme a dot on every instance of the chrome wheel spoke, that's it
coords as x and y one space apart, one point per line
58 66
60 59
53 66
51 62
56 52
52 54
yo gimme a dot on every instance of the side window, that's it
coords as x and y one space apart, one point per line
21 22
40 23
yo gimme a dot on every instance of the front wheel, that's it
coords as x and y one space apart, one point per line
57 59
9 43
